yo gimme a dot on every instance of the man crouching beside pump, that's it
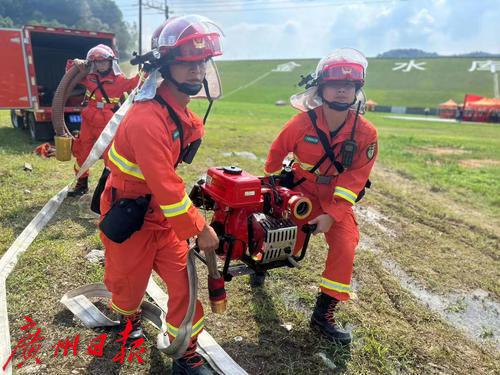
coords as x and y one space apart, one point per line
144 187
334 151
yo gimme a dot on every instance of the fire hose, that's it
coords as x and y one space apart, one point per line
63 137
178 347
67 84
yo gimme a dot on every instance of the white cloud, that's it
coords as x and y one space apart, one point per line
299 30
423 17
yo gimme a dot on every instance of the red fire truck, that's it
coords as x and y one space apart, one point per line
32 64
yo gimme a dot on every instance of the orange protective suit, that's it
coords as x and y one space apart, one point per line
98 112
335 198
142 161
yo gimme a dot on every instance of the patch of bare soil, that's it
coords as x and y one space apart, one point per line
442 150
479 163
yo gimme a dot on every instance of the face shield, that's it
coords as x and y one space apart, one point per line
115 67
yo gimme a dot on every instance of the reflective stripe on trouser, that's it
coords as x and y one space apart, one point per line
342 239
129 264
195 330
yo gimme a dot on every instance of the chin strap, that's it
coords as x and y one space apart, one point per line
209 98
190 89
105 73
337 106
184 87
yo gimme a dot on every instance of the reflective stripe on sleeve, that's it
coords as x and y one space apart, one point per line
347 194
123 164
176 209
305 166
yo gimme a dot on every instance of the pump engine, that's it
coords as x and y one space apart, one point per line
259 222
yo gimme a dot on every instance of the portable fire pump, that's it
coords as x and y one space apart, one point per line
259 222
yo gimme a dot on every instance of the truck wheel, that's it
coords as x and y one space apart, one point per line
39 131
17 121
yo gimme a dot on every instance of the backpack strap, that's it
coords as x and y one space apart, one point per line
101 89
326 146
177 121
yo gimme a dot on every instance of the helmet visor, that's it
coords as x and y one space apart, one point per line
342 72
197 47
100 53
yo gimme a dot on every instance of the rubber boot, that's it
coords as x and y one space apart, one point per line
258 278
323 319
191 363
137 332
81 187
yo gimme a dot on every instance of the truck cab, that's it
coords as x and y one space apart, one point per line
32 65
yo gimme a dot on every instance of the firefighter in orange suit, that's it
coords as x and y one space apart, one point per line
143 159
106 86
328 106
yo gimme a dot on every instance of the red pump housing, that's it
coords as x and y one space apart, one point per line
257 220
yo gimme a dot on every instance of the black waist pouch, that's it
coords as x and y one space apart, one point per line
286 178
95 204
125 217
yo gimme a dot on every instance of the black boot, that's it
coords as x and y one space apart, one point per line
192 363
137 332
81 187
323 319
257 278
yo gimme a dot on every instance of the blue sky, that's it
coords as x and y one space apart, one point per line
268 29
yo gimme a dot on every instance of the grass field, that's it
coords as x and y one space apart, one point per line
430 231
443 79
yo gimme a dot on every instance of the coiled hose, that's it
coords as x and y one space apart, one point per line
65 87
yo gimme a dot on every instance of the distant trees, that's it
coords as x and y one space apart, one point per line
407 53
413 53
97 15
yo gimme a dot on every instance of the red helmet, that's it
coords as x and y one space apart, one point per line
345 64
100 52
157 32
189 38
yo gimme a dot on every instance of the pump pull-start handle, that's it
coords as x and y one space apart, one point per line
309 228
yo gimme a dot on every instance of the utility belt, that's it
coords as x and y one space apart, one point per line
101 105
125 217
129 187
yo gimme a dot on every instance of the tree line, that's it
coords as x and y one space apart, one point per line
96 15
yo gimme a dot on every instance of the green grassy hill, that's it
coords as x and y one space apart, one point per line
444 78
